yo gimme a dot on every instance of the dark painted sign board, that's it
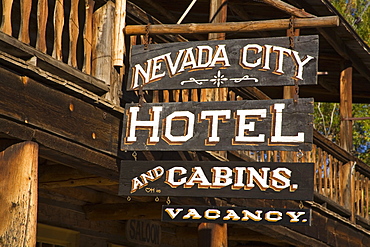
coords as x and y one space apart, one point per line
205 126
226 63
240 215
144 232
290 181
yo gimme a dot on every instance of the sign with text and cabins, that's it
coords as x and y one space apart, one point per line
232 125
224 63
264 180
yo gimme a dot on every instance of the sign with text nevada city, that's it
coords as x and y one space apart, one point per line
226 63
257 216
233 125
264 180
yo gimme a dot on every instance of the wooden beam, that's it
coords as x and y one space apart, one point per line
18 193
119 38
345 109
287 8
90 181
40 106
123 211
250 26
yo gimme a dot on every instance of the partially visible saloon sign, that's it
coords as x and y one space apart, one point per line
217 179
144 232
257 216
227 63
233 125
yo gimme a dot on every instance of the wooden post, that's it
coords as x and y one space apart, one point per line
212 235
18 193
119 38
346 141
102 50
102 42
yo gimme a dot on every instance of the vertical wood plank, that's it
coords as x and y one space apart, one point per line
155 96
212 235
176 95
102 42
6 24
320 170
325 165
58 29
346 186
331 177
346 141
24 34
18 193
336 180
166 96
367 209
86 67
185 95
42 14
194 95
73 34
119 39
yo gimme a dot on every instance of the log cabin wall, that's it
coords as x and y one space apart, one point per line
77 128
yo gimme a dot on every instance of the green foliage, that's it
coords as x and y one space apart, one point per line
327 122
357 13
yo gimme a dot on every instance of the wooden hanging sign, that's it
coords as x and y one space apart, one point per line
233 125
226 63
240 215
264 180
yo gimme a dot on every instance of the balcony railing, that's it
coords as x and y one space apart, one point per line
64 28
340 180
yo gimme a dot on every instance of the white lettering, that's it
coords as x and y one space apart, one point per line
153 124
231 215
221 177
192 213
198 177
170 178
279 178
243 126
273 216
171 213
294 216
189 119
257 49
215 116
300 63
277 137
212 214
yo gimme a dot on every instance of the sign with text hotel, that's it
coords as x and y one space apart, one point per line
226 63
233 125
264 180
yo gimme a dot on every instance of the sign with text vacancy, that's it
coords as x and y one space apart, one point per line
288 181
205 126
240 215
226 63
